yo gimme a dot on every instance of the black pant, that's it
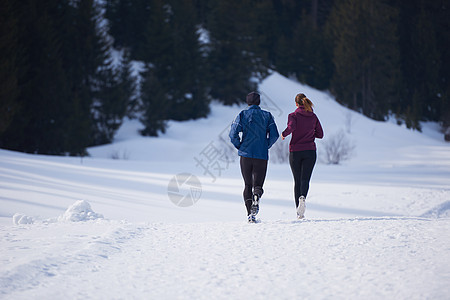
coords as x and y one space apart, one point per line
254 173
302 164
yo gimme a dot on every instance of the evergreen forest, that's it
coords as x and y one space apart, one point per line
68 67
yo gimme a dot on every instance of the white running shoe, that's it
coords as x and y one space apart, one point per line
301 208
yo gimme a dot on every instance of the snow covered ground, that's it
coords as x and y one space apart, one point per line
376 225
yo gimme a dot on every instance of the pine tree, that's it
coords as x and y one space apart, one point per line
85 52
9 72
440 13
39 126
265 33
232 60
421 63
303 50
100 92
173 86
312 64
127 22
285 57
157 46
366 57
187 89
113 94
61 65
154 105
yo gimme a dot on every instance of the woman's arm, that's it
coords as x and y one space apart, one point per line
318 130
291 124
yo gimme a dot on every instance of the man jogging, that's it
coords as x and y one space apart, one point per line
259 133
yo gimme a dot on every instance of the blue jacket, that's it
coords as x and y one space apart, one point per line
259 132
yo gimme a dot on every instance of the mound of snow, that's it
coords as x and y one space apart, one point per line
22 219
79 211
440 211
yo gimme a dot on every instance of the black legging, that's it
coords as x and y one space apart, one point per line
302 164
254 173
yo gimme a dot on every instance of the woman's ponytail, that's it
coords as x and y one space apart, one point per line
301 99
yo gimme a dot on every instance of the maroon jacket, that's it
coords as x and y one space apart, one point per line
305 128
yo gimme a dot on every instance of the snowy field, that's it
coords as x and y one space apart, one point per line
377 225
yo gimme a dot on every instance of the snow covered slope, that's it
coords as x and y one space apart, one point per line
364 258
376 225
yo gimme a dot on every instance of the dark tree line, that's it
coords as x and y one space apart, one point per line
61 91
390 57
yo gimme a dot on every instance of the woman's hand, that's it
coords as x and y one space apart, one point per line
282 137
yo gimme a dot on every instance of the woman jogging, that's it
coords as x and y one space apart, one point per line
259 133
305 128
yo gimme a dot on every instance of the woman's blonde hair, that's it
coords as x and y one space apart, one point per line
301 99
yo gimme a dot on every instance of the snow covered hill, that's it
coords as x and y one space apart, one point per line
376 225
